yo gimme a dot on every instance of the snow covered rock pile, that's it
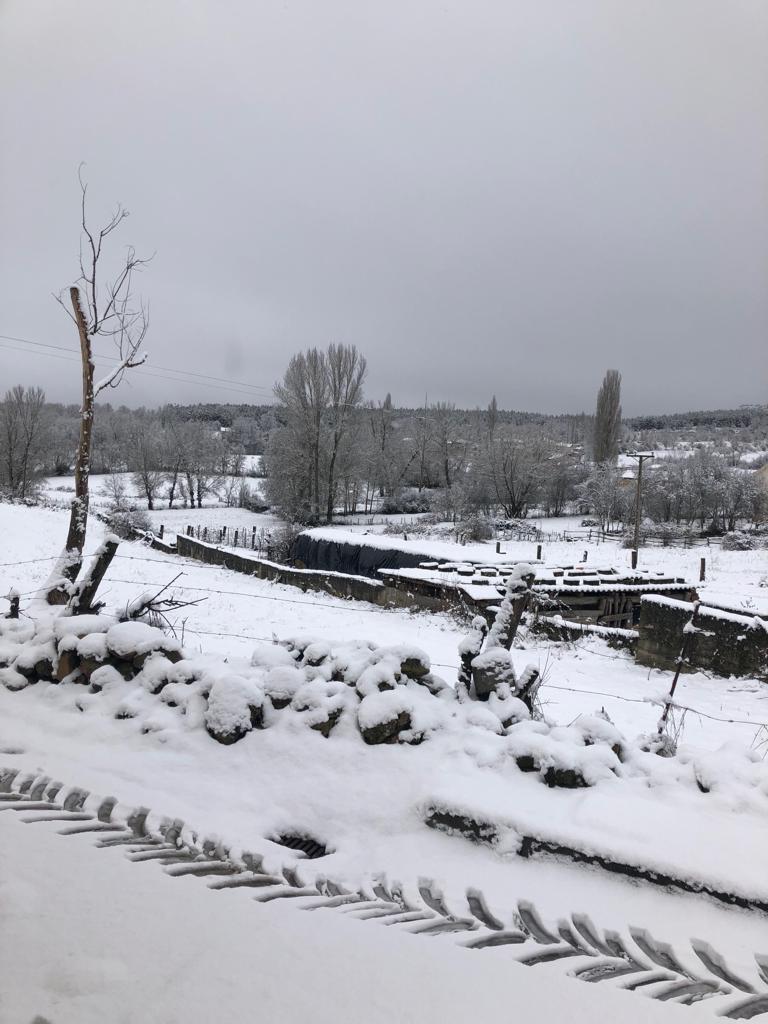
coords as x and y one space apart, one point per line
72 648
352 691
386 694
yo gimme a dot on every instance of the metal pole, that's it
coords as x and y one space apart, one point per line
639 498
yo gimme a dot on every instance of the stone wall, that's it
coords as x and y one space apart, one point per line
562 630
392 593
724 643
338 584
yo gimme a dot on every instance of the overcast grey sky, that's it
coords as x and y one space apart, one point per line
485 196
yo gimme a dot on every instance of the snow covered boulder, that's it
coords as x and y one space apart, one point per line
282 683
508 708
9 649
80 625
414 663
316 653
106 678
157 672
491 669
82 653
235 706
36 660
13 680
381 717
561 755
133 642
384 674
268 656
321 704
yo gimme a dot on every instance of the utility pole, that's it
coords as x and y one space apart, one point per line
638 499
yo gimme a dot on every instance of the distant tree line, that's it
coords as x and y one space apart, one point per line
328 451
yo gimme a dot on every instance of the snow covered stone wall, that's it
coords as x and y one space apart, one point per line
723 642
364 556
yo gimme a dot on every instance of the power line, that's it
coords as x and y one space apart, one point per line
256 597
643 700
143 373
204 381
171 369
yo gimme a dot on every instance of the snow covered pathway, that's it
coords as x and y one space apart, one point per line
76 940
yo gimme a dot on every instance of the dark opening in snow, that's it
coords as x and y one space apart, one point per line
311 848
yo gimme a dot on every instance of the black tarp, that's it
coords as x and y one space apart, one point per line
355 558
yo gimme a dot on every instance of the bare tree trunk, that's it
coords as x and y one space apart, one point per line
331 483
72 561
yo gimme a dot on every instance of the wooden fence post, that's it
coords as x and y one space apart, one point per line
82 599
634 558
162 531
14 599
703 570
538 552
236 533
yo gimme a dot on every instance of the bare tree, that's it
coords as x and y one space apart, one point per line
516 471
303 393
146 460
607 426
107 311
346 373
22 432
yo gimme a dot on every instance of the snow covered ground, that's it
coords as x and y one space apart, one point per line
86 937
580 677
364 801
59 490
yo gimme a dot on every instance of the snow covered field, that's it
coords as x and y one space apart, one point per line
366 801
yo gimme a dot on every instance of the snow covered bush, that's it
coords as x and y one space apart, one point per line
407 501
126 521
476 527
736 540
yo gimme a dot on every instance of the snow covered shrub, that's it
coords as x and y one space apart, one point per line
235 706
738 541
476 527
427 526
125 521
281 542
406 502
